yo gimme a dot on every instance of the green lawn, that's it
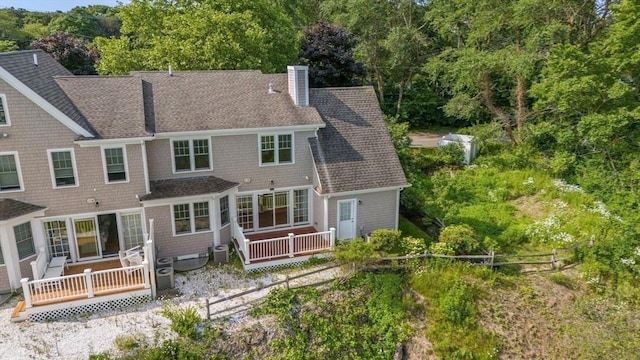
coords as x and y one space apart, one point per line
410 229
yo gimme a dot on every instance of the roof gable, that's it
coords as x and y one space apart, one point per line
36 83
354 151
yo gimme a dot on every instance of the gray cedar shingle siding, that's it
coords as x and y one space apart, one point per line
354 150
40 79
163 189
10 209
219 100
113 105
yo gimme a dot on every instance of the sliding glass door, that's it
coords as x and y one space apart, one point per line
87 241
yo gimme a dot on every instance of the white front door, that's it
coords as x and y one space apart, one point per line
346 219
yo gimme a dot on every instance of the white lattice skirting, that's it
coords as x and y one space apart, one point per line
86 309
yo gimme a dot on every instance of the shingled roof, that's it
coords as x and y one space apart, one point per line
193 186
354 151
10 209
113 105
219 100
40 79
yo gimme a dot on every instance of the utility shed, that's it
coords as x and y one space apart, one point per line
466 142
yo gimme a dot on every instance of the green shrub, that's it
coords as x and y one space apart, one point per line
412 245
461 238
385 240
458 305
356 251
184 321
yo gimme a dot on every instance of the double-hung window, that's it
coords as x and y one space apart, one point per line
4 114
115 164
276 149
191 155
191 217
224 210
24 240
63 168
10 177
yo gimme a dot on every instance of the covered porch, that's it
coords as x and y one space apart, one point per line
281 246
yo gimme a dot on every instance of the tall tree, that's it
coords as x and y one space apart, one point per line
496 48
74 54
392 40
88 22
328 51
200 34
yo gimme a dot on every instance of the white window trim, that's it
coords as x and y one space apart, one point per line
276 160
18 169
219 211
192 219
192 159
104 164
73 163
3 99
291 196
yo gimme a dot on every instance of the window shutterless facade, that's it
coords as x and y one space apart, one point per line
24 240
10 176
63 168
191 218
115 164
191 155
276 149
273 209
4 113
132 232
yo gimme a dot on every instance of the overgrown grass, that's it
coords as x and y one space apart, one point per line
363 318
451 307
410 229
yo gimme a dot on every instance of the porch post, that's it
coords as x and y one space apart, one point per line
247 258
150 271
87 279
147 284
26 292
332 238
291 250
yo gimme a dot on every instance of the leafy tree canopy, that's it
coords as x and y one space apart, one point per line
73 53
201 34
328 50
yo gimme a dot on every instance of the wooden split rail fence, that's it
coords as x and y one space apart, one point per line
555 258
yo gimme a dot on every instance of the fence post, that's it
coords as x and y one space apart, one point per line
553 259
206 302
291 250
26 292
493 257
89 281
286 280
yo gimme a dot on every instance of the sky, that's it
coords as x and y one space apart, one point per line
54 5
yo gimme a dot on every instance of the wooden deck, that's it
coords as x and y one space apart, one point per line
78 268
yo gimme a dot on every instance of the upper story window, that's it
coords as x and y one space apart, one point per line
115 164
24 240
10 177
63 168
191 155
4 114
276 149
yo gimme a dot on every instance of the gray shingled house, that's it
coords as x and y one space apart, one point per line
214 157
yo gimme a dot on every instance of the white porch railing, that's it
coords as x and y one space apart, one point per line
289 246
85 285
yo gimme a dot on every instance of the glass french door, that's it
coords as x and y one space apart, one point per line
273 209
87 240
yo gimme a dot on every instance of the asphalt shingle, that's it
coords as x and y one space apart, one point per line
173 188
354 151
10 209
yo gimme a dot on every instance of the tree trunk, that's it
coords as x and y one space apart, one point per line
400 94
497 112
